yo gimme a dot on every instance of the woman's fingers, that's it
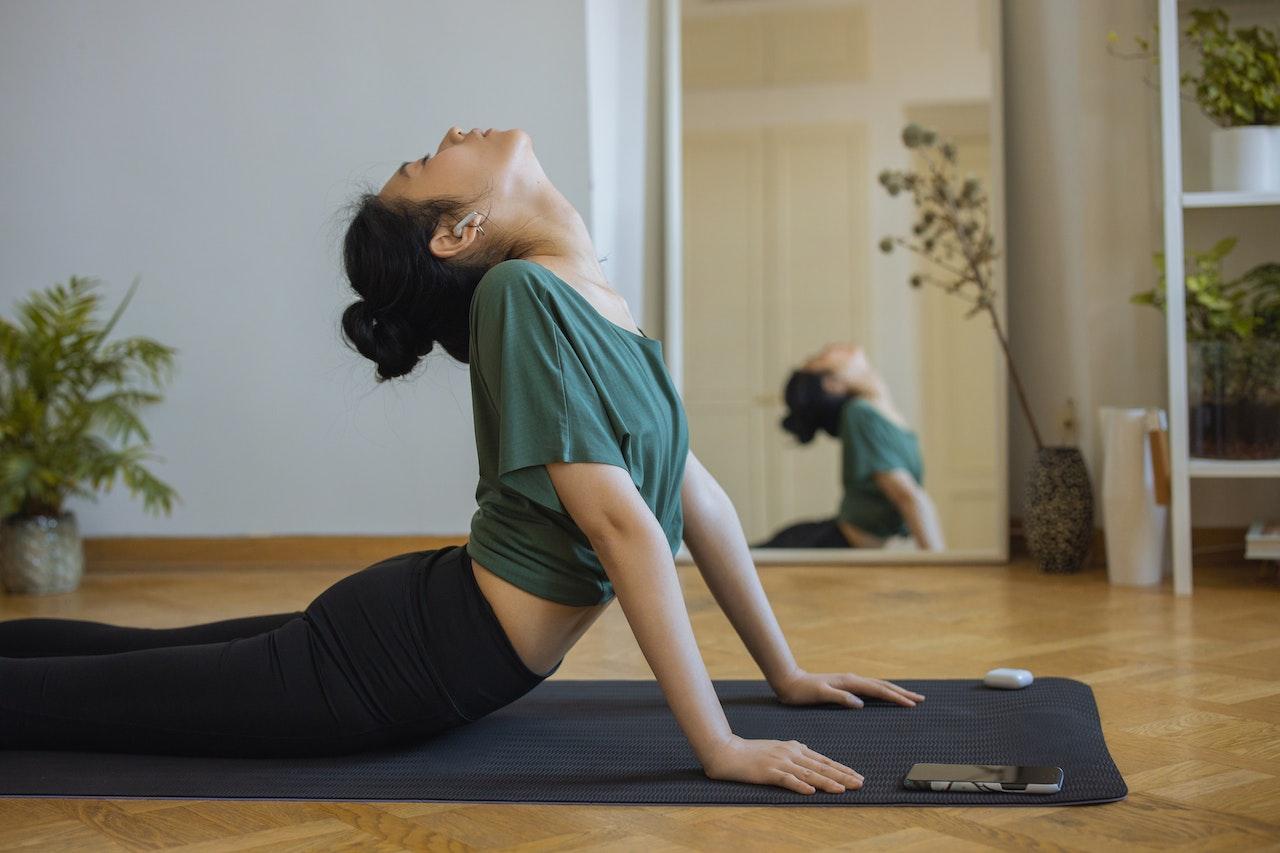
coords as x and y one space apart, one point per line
874 687
919 697
844 697
788 780
845 780
818 756
817 778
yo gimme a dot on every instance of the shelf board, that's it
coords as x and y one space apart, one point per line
1230 199
1233 467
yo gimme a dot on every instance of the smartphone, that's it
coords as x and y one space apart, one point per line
1006 778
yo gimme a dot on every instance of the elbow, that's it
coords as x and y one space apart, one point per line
909 502
701 494
706 507
696 499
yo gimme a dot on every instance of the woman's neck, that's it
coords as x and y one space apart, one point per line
874 390
564 245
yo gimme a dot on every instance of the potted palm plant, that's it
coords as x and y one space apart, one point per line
67 397
953 233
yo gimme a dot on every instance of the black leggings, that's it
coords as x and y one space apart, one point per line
398 651
824 533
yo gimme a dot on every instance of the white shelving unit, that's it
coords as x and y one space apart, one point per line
1232 468
1229 199
1176 202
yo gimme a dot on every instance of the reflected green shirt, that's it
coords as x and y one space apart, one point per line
871 443
554 380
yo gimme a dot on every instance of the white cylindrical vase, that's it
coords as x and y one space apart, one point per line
1134 524
1245 159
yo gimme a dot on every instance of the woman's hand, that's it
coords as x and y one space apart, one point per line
816 688
786 763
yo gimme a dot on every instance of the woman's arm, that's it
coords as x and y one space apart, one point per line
715 539
719 547
917 509
603 501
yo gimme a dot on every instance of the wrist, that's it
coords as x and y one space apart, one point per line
708 751
779 681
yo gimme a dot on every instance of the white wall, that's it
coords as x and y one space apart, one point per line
208 148
624 108
1084 200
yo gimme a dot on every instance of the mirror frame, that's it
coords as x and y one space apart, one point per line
673 300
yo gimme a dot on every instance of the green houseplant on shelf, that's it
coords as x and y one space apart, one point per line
67 396
1233 355
953 233
1237 87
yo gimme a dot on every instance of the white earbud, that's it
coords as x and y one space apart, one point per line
466 220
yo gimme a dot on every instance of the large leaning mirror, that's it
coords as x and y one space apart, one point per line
850 415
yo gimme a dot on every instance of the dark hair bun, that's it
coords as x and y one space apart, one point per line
811 407
387 341
410 298
802 428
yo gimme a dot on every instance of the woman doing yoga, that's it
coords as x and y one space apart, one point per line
839 392
586 489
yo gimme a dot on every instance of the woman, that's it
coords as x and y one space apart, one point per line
841 393
586 487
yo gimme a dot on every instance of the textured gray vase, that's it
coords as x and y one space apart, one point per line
40 554
1059 510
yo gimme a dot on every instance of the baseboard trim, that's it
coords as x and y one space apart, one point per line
1211 546
149 553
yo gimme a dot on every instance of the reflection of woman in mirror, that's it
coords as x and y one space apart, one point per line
841 393
586 488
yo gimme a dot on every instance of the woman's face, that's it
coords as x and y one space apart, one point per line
844 365
465 165
496 165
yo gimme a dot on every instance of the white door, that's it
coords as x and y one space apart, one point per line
776 265
958 358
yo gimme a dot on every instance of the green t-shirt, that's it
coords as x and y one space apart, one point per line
554 380
871 443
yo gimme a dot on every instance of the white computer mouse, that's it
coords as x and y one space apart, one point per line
1008 679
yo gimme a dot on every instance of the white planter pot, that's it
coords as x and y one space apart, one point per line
1245 159
1134 523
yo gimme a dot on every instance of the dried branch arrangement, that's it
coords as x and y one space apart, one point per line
953 232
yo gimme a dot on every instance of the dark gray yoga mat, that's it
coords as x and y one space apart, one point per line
616 741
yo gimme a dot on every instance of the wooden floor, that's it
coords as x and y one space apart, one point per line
1189 692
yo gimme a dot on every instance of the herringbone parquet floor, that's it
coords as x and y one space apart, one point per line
1189 692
